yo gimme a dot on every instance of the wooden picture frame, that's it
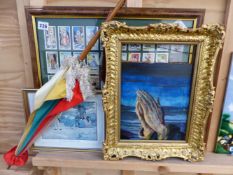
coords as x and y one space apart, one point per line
136 95
145 14
80 128
28 100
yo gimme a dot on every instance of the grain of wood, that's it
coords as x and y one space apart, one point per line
133 3
16 80
11 59
11 102
38 3
13 172
9 31
8 122
95 3
153 173
9 140
24 41
213 163
52 171
11 79
222 78
76 171
126 172
12 117
214 5
26 170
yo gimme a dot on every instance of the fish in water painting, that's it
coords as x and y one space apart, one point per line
155 101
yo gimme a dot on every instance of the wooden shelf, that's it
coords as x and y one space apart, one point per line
213 163
25 170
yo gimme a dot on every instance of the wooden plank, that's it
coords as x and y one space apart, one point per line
25 170
215 5
12 79
13 172
222 78
214 11
81 171
93 3
126 172
12 117
9 139
134 3
24 41
10 59
213 163
51 171
38 3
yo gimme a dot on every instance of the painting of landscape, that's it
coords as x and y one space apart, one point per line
155 100
77 123
225 136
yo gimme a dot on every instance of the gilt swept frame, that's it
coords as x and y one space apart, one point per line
209 39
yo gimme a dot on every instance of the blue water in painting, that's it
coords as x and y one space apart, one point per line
169 83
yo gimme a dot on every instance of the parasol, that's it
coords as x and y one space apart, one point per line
68 88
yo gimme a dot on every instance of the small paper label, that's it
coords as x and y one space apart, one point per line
43 25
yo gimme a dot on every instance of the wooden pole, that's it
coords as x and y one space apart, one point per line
97 35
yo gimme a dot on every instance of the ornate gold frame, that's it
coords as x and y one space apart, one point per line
209 40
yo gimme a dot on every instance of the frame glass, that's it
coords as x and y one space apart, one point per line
157 105
68 31
80 128
155 102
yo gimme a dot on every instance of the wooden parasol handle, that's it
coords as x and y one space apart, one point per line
97 35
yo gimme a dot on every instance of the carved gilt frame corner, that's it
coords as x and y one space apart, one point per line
209 40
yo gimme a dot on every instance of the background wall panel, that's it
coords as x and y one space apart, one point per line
215 9
12 76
